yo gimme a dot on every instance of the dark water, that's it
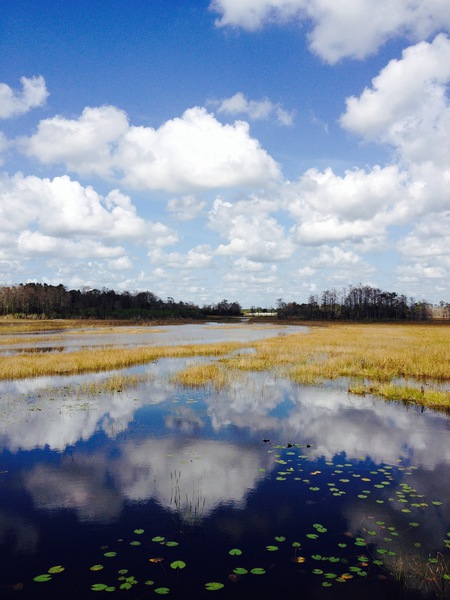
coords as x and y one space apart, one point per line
324 494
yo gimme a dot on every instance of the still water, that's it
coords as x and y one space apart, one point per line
264 490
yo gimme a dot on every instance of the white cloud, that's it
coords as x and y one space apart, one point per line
197 258
341 28
244 265
359 194
333 230
250 232
71 227
86 145
255 109
336 257
12 103
63 207
123 263
306 271
420 272
185 208
407 105
356 207
187 153
34 243
3 145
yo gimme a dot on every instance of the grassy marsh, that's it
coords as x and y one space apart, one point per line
398 362
402 362
91 360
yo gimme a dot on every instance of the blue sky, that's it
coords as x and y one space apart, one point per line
242 149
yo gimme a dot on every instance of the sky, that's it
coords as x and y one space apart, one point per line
247 150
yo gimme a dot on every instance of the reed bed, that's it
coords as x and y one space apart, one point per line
115 383
379 357
376 359
203 374
406 362
91 360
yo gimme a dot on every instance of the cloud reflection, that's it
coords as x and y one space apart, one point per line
187 467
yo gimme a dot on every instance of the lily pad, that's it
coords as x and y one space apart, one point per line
214 585
42 578
57 569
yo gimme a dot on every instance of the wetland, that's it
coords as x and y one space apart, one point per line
245 459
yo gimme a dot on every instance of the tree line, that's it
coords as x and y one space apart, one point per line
49 301
360 303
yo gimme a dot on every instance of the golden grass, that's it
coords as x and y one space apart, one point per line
375 358
91 360
377 352
115 383
202 374
389 360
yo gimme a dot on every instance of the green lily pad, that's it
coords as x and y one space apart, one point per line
162 591
57 569
42 578
214 585
258 571
235 552
98 587
178 564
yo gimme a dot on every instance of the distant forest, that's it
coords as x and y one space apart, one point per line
359 303
362 303
41 300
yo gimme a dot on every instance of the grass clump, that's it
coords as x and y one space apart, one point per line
203 374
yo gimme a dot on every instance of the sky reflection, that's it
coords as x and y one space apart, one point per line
193 454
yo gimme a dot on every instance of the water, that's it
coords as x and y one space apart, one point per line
268 488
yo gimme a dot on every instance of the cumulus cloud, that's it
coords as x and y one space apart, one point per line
197 258
185 208
34 243
339 29
420 272
429 238
63 207
407 105
356 207
191 152
250 231
68 223
263 109
14 103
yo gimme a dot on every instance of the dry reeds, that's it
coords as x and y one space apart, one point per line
408 362
91 360
384 356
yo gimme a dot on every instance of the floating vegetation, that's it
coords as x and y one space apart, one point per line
377 551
